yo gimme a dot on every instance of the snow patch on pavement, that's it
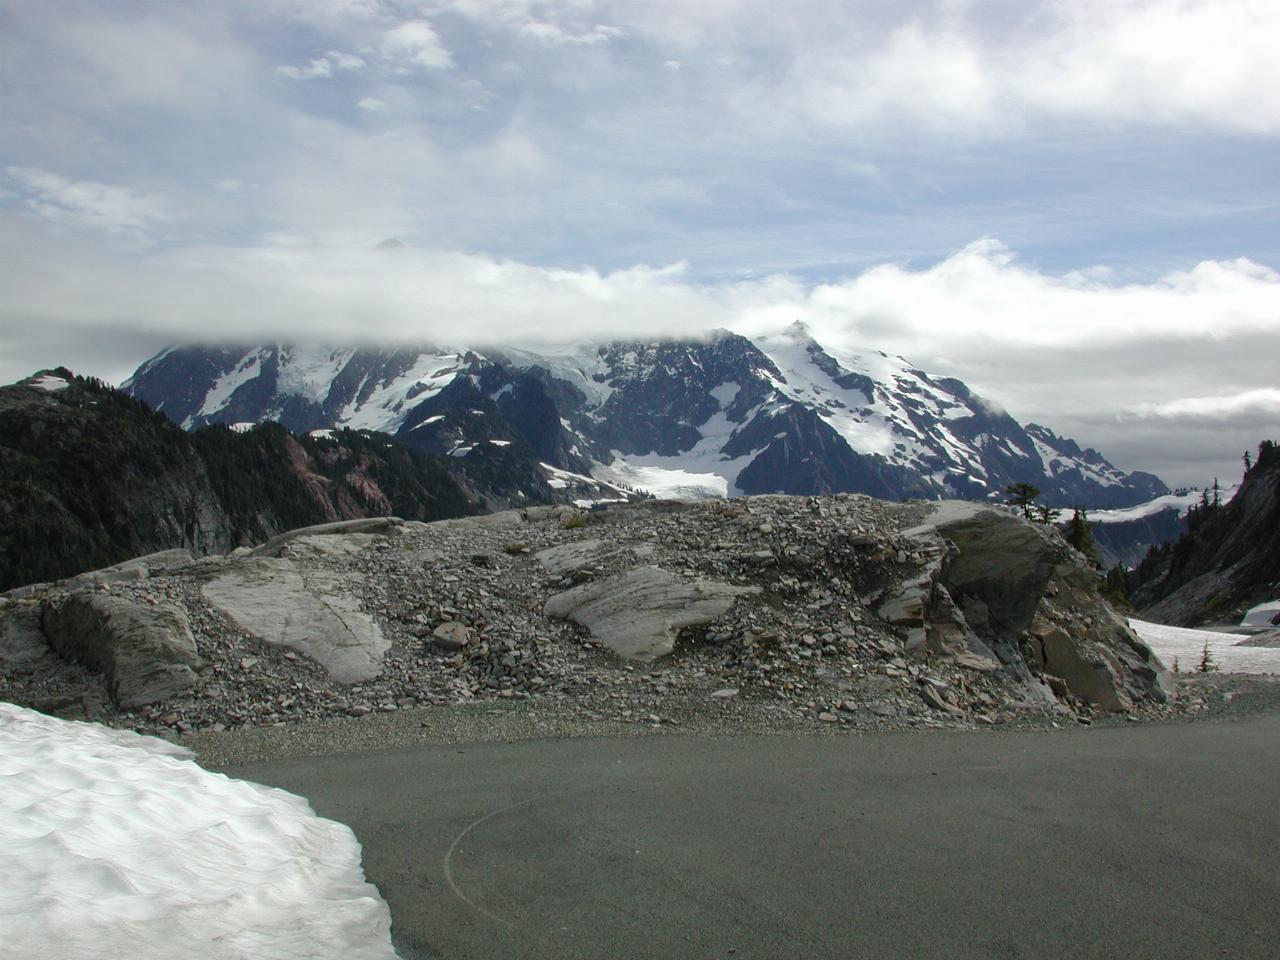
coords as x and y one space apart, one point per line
119 845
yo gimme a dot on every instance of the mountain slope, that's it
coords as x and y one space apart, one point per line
721 416
90 477
1227 561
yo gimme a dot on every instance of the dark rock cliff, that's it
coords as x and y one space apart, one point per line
90 477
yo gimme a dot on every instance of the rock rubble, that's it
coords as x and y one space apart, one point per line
842 611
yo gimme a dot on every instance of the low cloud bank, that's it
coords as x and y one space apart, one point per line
1087 351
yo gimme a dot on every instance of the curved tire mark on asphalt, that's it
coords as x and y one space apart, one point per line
453 847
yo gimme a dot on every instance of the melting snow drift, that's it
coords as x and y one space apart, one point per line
117 845
1263 615
1187 646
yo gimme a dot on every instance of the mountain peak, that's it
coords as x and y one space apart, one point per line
798 332
775 414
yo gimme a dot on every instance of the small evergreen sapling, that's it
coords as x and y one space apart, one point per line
1022 496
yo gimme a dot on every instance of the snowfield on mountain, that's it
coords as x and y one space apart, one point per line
719 416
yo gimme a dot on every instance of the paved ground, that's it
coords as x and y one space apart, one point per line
1146 841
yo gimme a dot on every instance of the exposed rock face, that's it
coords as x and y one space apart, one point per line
23 646
638 614
271 599
581 555
146 652
155 487
370 525
1025 595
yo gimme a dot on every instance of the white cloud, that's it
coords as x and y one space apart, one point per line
103 206
322 67
345 61
983 294
372 105
961 66
1264 400
553 33
317 68
415 44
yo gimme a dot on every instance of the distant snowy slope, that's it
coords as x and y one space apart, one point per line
117 845
718 415
304 388
1124 535
1181 502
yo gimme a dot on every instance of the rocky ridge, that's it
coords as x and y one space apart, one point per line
839 611
89 477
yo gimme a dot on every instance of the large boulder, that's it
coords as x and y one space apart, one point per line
316 616
370 525
639 613
146 650
1023 593
23 647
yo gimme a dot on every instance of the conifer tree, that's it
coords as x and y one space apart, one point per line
1022 495
1079 534
1116 585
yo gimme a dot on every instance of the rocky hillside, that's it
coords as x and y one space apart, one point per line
89 477
843 611
724 415
1226 562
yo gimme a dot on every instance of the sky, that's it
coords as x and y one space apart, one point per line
1071 206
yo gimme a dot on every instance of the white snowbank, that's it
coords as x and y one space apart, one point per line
50 384
1262 615
118 845
1187 646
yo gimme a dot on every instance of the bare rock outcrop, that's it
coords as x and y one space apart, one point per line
370 525
146 651
1017 590
23 646
313 615
638 614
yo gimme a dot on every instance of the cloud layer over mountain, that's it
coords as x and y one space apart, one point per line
599 168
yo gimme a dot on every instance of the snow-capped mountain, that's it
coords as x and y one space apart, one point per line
720 416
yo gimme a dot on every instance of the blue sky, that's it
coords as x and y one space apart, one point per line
1070 205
